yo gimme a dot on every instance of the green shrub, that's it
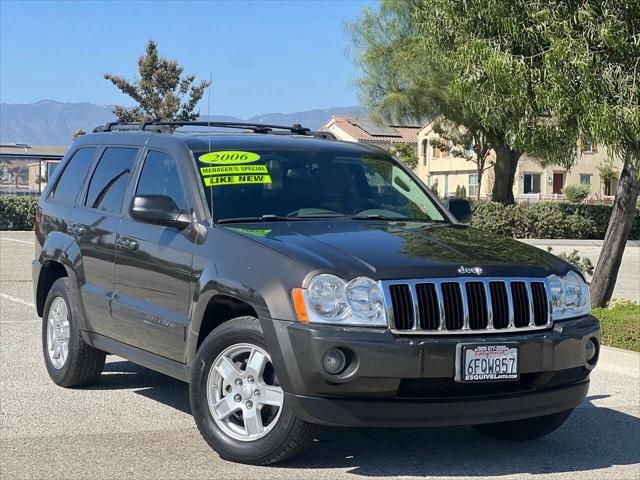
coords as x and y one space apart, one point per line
461 191
17 212
581 263
547 220
576 193
620 324
493 217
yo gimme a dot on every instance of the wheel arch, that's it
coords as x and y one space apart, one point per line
60 257
217 302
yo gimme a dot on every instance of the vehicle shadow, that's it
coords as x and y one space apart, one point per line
123 375
593 438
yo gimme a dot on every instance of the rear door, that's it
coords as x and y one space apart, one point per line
153 268
94 223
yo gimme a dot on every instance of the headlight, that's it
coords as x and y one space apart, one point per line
569 296
329 299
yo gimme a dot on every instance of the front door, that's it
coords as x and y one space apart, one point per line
153 270
558 183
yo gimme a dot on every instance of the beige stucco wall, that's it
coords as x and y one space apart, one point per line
451 171
448 172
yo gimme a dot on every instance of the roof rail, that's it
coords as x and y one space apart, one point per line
168 127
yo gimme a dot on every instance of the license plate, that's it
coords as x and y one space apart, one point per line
486 363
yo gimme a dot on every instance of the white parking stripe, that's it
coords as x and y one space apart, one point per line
17 300
16 240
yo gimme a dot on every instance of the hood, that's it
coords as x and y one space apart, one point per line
392 250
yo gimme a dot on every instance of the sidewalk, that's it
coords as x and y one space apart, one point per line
628 283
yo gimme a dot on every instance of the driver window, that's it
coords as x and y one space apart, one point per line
160 176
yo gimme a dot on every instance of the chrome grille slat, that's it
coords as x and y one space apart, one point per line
487 294
466 305
443 319
532 315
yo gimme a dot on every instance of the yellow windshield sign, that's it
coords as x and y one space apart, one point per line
236 180
257 233
229 157
232 169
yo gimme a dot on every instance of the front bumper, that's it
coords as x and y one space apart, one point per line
398 380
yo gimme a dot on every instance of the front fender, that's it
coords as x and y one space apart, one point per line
209 285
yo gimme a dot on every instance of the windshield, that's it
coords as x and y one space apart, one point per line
270 185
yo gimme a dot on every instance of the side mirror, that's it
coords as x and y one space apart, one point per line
160 210
459 208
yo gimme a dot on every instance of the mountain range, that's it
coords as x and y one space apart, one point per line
49 122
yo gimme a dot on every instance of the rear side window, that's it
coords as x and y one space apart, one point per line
110 179
72 178
160 177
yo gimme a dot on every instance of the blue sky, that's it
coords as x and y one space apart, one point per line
266 56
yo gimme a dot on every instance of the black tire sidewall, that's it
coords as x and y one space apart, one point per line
241 330
60 288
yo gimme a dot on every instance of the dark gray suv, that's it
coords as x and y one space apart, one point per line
295 280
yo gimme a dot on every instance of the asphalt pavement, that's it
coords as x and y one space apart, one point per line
135 423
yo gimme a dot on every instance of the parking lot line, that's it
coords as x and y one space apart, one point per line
17 300
16 240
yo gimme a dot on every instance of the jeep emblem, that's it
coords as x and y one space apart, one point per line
469 270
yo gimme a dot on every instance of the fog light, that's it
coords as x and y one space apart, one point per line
590 351
334 361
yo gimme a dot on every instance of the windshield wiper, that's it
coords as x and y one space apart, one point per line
380 217
261 218
394 219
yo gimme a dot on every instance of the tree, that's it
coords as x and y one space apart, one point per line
593 67
466 61
161 93
608 173
77 133
471 144
406 153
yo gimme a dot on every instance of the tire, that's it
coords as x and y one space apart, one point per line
82 364
284 434
523 430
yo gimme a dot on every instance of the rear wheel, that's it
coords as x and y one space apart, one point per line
237 401
527 429
69 360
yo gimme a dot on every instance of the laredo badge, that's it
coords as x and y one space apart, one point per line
229 157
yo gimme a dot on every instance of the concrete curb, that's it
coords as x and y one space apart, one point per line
622 361
571 243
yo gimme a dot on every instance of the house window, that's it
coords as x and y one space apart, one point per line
473 184
434 151
585 179
426 152
588 146
531 183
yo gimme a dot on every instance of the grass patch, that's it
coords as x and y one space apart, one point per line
620 323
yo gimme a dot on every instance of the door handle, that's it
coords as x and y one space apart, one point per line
76 229
127 243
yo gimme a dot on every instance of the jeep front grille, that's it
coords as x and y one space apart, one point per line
466 305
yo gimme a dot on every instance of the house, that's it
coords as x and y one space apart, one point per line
444 171
24 169
362 129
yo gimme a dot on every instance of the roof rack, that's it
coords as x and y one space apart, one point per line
158 126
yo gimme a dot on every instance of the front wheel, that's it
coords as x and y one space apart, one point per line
236 399
527 429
